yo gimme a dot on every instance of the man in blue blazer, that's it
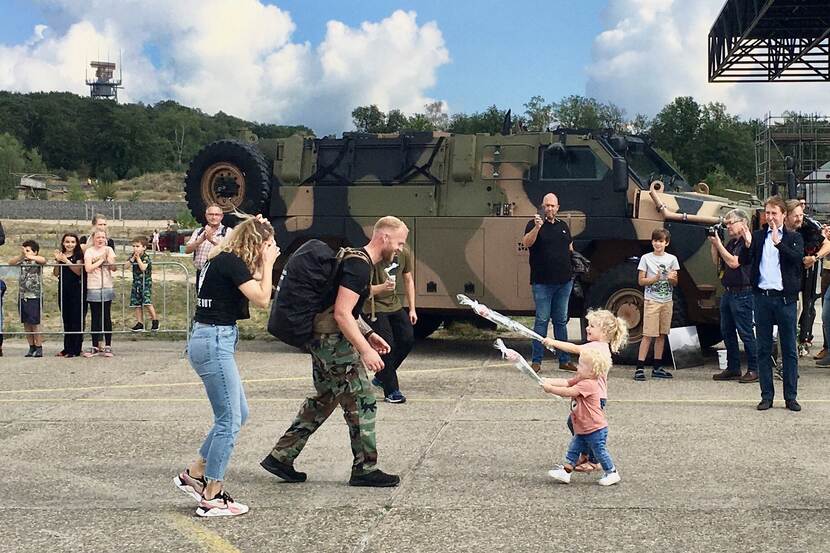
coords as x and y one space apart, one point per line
775 255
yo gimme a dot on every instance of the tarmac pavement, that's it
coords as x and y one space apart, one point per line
89 448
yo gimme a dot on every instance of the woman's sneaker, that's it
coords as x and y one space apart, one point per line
190 485
108 351
92 352
222 505
609 479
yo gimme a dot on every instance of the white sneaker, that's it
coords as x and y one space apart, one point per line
222 505
560 474
609 479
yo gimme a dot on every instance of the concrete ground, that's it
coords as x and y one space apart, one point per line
89 448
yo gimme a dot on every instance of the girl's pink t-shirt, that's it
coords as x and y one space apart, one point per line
586 411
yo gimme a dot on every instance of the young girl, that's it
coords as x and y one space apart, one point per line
71 290
237 271
606 334
590 424
99 262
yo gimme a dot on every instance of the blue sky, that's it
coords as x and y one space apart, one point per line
311 62
502 52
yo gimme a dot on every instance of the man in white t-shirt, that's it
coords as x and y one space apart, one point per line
658 274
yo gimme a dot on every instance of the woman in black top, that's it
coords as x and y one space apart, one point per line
238 270
71 293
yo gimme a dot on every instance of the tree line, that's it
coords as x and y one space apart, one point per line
82 137
70 135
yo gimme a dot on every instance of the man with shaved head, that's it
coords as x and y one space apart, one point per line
550 244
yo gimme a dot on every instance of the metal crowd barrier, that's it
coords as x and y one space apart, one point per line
171 282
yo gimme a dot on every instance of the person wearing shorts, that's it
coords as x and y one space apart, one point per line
657 273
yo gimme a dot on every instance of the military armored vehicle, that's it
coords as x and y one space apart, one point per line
467 199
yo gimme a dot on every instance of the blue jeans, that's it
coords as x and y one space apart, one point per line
769 311
210 351
551 304
736 314
593 442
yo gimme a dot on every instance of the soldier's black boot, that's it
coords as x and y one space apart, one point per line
375 479
283 470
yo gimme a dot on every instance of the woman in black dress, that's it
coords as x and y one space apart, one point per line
71 293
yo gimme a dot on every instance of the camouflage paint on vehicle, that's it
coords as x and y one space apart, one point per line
467 199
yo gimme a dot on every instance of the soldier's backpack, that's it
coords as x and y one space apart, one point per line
306 290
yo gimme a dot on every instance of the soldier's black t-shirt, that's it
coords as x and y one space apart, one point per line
355 275
550 255
219 300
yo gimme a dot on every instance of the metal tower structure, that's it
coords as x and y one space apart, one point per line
794 148
104 85
771 40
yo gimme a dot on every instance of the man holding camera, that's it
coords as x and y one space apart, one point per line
549 242
736 304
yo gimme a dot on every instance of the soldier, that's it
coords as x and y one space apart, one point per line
776 255
736 305
388 318
204 238
339 377
550 244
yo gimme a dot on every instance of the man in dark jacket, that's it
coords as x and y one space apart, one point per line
775 257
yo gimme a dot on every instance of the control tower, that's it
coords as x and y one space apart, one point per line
104 85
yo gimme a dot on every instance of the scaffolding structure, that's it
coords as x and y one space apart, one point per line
794 147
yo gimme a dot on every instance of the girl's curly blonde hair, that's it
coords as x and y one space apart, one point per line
246 240
614 329
599 362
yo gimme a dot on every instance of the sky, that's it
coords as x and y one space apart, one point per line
311 62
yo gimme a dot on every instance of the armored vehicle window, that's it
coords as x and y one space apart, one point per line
571 163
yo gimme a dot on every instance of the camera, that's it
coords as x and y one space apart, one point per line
715 230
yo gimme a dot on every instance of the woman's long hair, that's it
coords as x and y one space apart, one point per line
245 241
77 253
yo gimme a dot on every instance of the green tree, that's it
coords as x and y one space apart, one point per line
580 112
368 119
434 113
539 114
420 122
396 121
488 121
15 160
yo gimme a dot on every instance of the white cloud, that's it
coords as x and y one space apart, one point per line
655 50
236 56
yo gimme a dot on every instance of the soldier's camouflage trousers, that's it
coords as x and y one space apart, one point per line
339 378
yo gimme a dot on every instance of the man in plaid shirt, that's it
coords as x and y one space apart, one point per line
203 239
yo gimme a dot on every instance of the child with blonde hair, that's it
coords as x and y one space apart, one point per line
606 334
590 424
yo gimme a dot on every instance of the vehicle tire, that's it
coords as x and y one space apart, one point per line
427 324
232 174
619 292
